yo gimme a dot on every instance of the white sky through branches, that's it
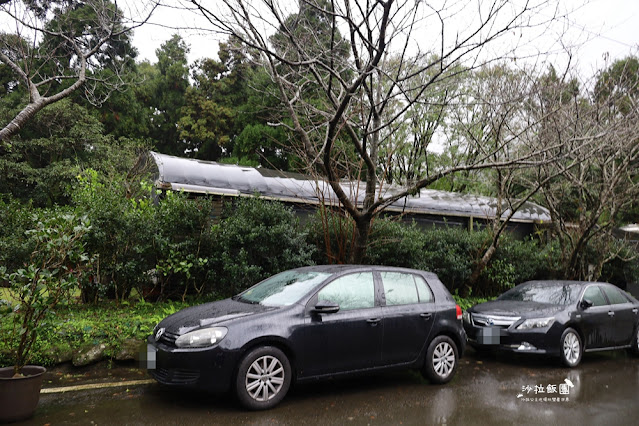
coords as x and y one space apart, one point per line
595 32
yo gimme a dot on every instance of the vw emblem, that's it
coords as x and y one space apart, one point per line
489 321
159 334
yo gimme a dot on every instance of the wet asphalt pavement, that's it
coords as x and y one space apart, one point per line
488 389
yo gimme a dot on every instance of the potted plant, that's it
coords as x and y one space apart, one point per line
57 259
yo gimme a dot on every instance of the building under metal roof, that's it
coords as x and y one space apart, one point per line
629 233
206 177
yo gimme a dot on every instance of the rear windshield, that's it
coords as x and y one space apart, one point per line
556 294
283 289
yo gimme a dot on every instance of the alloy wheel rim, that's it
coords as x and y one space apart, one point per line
264 378
443 359
571 348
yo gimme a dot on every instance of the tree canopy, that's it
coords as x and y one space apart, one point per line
335 89
58 47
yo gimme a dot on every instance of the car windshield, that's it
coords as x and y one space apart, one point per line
282 289
560 294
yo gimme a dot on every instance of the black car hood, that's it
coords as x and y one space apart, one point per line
511 308
208 314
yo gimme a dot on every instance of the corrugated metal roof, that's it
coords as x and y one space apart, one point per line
207 177
631 228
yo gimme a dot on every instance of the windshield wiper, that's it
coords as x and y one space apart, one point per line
242 299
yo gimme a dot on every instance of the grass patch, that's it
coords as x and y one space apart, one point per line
71 327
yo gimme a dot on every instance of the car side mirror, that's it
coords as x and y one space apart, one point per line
586 303
326 307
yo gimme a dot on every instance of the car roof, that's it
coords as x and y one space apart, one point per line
552 283
336 269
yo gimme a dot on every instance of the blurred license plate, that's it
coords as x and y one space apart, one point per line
489 335
149 357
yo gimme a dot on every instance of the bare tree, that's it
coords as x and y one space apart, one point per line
59 46
406 147
360 98
496 105
586 202
490 111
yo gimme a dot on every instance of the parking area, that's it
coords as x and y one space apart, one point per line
488 389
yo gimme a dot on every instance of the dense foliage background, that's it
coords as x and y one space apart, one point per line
84 155
170 246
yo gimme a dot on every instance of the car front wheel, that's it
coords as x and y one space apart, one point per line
263 378
571 348
441 360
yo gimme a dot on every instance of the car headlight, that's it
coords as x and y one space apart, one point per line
466 317
536 323
201 338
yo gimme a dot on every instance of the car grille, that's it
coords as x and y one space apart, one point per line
493 320
169 338
176 376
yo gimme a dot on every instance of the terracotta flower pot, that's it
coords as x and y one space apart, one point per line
19 396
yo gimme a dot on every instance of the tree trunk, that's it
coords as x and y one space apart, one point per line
483 262
362 230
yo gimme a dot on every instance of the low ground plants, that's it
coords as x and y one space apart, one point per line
74 326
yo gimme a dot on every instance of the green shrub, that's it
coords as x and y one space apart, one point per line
517 261
468 302
394 243
452 254
331 233
256 239
121 238
390 242
160 249
15 219
184 245
623 267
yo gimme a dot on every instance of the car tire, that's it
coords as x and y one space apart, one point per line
570 348
263 378
441 360
634 348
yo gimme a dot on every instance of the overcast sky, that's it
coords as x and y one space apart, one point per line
601 28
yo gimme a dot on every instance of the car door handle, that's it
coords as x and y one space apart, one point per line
373 321
611 314
426 315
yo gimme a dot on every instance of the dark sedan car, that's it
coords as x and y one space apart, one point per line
565 318
310 323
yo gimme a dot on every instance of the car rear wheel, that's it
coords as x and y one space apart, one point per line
263 378
571 348
441 360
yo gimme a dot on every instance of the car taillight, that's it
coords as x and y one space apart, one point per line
459 312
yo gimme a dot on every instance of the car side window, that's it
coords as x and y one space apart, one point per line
425 294
353 291
399 288
594 294
615 296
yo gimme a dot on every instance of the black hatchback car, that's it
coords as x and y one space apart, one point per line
310 323
564 318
